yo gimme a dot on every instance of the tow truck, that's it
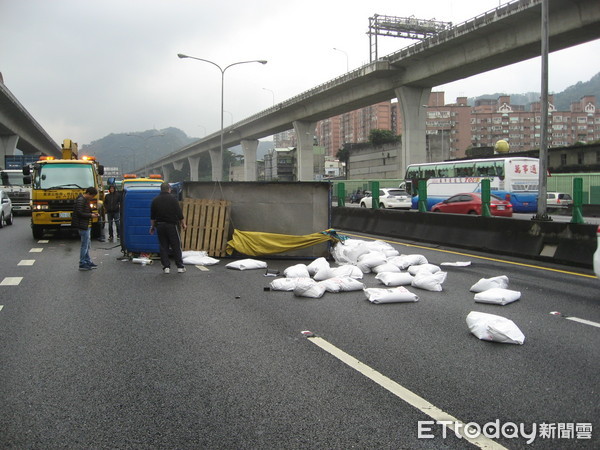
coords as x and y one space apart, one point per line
56 183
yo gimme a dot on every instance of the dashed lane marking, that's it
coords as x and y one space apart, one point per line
36 250
11 281
586 322
203 268
43 241
26 262
404 394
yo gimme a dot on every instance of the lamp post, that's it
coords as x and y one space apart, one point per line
145 148
132 153
272 94
347 62
261 61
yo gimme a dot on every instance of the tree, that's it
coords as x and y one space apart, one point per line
379 137
343 154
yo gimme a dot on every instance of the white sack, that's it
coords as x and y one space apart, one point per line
198 258
342 284
405 261
386 267
284 284
430 268
349 251
318 264
488 283
307 287
347 270
391 252
369 260
457 264
379 246
296 271
247 264
355 251
497 296
394 278
489 327
391 295
324 274
429 281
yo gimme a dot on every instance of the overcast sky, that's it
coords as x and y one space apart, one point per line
87 68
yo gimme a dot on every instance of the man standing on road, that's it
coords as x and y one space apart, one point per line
112 204
165 216
81 220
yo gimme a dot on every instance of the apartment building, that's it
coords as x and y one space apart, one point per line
453 128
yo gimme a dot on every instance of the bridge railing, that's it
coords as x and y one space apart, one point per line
452 32
463 28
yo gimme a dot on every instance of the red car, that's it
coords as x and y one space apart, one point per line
470 203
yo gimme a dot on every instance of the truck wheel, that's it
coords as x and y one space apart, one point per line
9 219
2 220
38 231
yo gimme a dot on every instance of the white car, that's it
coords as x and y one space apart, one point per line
558 200
6 215
388 198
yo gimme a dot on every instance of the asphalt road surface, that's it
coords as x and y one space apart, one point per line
128 357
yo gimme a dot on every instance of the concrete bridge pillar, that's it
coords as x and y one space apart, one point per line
178 165
305 133
249 147
167 172
411 100
216 162
193 161
8 144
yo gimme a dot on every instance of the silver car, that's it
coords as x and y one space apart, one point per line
558 200
388 198
6 215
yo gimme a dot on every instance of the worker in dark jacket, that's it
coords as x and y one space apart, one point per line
81 220
165 217
112 205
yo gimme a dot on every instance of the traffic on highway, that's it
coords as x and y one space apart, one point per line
127 356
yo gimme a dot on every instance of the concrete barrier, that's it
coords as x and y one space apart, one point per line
564 243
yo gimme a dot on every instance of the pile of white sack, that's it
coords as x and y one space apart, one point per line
394 271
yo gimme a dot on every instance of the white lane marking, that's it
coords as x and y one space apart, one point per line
1 306
26 262
11 281
43 241
404 394
586 322
203 268
36 250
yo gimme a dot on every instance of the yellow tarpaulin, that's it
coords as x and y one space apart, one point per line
256 243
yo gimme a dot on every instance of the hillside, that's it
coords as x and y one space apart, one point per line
132 150
562 100
129 151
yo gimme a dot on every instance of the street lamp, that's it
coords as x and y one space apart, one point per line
145 148
347 63
132 153
272 94
261 61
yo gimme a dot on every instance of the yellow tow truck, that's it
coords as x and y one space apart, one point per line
56 183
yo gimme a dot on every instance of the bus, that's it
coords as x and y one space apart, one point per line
516 179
